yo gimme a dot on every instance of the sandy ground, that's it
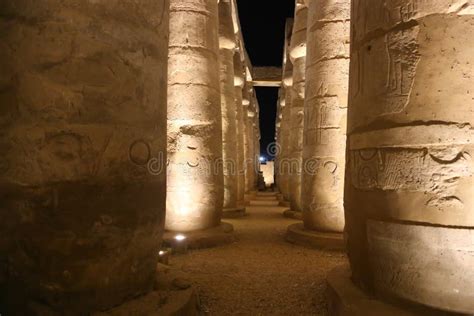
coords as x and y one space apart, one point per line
261 274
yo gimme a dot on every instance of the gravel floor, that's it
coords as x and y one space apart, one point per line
261 274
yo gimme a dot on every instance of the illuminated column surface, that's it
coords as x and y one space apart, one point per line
249 140
284 142
275 148
327 81
409 178
298 58
227 45
239 81
256 140
195 180
83 112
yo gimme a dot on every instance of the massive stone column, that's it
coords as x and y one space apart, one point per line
285 164
285 103
227 45
298 58
83 112
256 140
195 180
327 81
239 81
275 149
410 172
250 180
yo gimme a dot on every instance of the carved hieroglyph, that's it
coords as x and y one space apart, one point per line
195 180
83 98
327 81
409 180
227 45
298 58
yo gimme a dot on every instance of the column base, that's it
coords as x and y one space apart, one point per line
234 212
173 295
288 213
344 298
263 203
299 235
207 238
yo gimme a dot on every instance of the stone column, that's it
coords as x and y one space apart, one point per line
256 140
275 149
239 81
195 180
83 112
298 58
227 45
249 141
327 81
285 163
410 173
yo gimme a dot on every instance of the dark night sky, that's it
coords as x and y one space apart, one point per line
263 27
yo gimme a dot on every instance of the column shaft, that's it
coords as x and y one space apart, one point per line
285 163
410 173
195 180
298 58
83 112
227 45
327 80
248 141
240 119
229 128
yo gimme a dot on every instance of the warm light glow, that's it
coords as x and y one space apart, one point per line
161 253
180 237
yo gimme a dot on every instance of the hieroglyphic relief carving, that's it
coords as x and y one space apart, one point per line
396 57
435 171
324 116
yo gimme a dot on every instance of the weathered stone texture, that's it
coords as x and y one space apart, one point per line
227 45
83 98
409 179
229 128
327 81
252 140
284 142
298 57
195 180
239 81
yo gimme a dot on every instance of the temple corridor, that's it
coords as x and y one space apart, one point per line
236 157
245 278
